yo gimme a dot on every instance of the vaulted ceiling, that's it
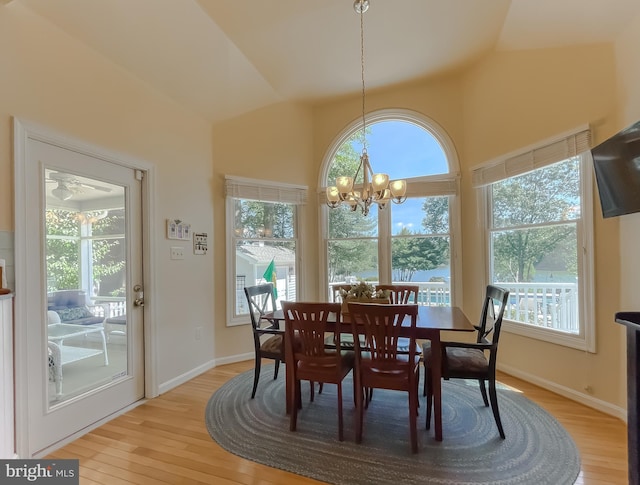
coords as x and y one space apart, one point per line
222 58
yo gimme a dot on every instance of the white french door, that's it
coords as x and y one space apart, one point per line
83 322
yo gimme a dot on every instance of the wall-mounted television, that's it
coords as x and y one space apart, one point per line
617 167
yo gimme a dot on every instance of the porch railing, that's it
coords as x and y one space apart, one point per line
549 305
109 306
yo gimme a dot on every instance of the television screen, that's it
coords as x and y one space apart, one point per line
617 167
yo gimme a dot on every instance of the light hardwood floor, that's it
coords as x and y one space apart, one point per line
165 441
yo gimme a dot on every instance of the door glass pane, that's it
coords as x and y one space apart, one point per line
85 280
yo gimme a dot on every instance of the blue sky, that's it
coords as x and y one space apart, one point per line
402 150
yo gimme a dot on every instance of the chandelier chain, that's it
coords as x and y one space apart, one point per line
364 124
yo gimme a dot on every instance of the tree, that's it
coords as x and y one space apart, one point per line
415 251
524 207
264 219
108 252
63 250
426 249
436 215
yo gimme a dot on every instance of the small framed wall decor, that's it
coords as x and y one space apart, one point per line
177 229
199 243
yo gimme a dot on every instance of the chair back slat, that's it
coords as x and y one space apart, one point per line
306 325
261 301
381 325
495 303
401 294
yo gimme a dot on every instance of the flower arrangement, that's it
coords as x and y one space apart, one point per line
363 290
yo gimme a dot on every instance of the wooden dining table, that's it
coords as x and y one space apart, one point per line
432 320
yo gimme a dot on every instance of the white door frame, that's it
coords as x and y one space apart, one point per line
23 131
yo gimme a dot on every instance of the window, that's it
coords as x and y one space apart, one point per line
408 242
261 229
422 254
86 250
539 239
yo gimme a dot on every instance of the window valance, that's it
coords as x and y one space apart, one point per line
264 191
542 154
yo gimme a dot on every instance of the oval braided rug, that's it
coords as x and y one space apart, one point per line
536 451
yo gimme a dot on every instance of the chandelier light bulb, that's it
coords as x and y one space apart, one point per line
333 194
344 184
380 182
398 188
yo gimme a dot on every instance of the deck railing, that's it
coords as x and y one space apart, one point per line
109 306
549 305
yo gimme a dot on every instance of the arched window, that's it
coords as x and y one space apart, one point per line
409 242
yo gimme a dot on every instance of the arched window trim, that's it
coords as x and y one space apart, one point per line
431 185
441 184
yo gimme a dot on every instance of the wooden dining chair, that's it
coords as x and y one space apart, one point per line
402 294
305 327
268 338
473 360
383 366
337 289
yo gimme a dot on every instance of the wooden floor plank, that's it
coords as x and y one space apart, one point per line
165 440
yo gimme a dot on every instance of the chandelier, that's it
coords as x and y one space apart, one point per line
376 188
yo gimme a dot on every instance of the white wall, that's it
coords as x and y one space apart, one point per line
628 73
628 91
50 79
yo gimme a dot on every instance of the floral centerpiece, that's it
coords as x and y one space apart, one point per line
363 292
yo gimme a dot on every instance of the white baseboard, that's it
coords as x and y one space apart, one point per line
187 376
236 358
590 401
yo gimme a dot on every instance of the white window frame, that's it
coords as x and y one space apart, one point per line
562 147
261 191
447 184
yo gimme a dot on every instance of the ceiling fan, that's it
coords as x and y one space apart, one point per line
69 185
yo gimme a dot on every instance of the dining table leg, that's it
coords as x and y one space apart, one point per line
289 376
436 380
